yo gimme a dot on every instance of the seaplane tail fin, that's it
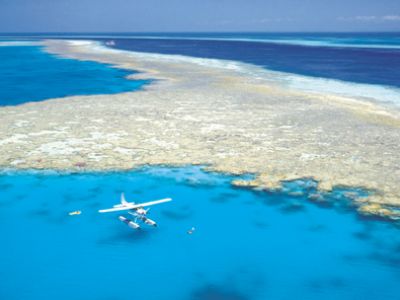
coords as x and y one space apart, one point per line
123 200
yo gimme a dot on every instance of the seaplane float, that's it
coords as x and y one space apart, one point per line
137 210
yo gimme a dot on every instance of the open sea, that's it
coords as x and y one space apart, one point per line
362 65
247 245
356 60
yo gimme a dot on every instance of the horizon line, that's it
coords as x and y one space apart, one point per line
190 32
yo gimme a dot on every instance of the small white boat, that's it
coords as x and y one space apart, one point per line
110 43
75 213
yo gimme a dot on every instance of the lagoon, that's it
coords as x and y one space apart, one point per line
30 74
247 244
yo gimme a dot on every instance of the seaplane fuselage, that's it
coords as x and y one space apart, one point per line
136 210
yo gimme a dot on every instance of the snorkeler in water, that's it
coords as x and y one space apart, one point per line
191 230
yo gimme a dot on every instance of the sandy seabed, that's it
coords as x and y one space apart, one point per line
215 113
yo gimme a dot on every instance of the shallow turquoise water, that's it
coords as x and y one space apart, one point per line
247 245
29 74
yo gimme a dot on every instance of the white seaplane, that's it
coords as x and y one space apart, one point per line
136 210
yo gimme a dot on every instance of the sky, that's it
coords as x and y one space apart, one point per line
198 15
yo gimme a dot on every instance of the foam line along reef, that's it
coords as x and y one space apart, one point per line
215 113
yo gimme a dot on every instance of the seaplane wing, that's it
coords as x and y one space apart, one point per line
128 206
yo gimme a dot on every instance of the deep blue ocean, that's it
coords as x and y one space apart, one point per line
246 245
359 58
27 73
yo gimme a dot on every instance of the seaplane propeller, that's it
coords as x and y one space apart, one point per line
136 210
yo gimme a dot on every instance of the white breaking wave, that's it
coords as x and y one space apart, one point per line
298 42
324 42
317 85
376 93
333 42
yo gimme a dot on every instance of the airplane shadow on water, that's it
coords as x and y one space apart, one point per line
125 236
242 283
214 292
